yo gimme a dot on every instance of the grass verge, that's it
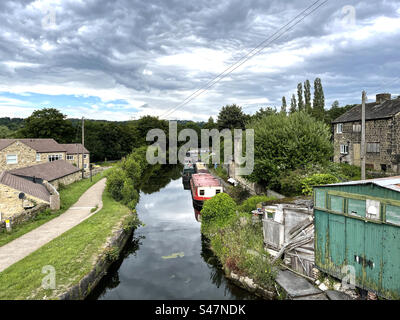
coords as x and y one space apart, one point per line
68 195
73 255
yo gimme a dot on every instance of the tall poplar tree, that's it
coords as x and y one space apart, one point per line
293 105
283 108
319 100
307 96
300 96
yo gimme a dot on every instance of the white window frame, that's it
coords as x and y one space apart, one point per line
84 165
344 149
38 157
85 156
12 155
373 147
339 128
70 157
54 157
356 127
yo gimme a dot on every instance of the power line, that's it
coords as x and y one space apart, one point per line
246 57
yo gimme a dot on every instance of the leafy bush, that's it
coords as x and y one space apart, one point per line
217 212
315 180
222 173
115 182
251 203
285 143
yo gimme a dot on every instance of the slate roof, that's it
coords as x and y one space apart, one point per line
47 171
40 145
24 185
74 148
373 111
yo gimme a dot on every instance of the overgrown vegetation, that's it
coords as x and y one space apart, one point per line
251 203
236 240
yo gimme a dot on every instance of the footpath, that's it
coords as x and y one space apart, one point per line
21 247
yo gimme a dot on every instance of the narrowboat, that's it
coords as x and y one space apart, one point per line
187 172
203 187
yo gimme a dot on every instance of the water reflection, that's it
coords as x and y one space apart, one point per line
167 258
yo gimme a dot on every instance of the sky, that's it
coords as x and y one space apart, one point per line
123 59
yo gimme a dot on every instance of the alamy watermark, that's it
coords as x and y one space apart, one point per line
348 15
49 281
49 19
232 146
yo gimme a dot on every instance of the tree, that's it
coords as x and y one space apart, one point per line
283 108
231 117
293 105
286 143
307 96
5 132
300 96
48 123
319 100
210 124
264 112
336 111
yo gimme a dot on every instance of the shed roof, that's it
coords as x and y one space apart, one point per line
373 111
74 148
392 183
47 171
40 145
37 190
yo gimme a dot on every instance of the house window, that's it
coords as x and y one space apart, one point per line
12 159
344 149
37 156
202 192
217 191
70 157
84 156
356 127
373 147
85 165
54 157
339 128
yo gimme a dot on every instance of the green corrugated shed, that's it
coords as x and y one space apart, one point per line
357 224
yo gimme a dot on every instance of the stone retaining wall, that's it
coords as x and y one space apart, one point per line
24 216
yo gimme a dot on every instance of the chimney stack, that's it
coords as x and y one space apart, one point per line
382 97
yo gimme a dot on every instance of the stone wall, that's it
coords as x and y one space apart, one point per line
67 179
24 216
26 156
11 205
44 157
383 131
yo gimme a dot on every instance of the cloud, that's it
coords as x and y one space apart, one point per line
154 54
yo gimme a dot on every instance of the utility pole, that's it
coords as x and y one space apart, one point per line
83 145
364 98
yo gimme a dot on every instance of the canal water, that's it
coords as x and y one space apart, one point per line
167 257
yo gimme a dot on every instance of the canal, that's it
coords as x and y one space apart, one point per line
167 257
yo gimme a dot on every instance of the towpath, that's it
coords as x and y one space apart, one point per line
23 246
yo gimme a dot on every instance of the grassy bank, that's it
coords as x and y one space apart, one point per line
73 255
68 195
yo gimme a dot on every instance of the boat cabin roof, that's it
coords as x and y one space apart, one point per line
205 180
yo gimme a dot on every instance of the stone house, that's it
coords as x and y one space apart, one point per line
19 153
74 155
382 135
11 187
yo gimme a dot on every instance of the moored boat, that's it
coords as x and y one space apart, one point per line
187 172
203 187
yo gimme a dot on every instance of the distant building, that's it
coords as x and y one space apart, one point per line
20 153
382 131
74 155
